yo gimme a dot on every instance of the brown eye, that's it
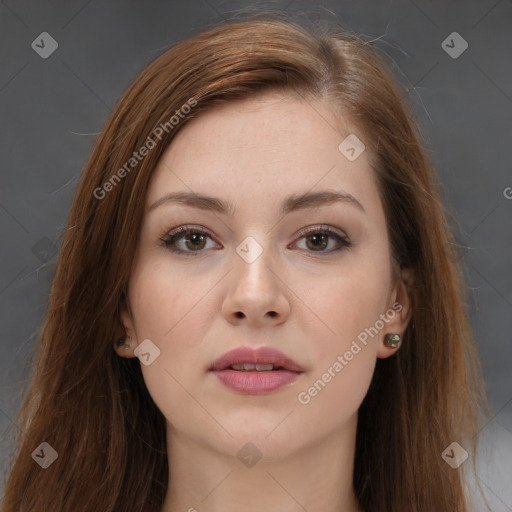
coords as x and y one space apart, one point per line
318 239
186 240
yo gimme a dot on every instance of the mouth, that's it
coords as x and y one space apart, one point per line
255 372
249 367
260 359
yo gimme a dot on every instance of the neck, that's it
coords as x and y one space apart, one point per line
316 478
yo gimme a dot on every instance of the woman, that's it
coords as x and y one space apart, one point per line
257 305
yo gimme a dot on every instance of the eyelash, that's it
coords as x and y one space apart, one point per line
174 235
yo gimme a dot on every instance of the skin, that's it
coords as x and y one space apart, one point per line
254 153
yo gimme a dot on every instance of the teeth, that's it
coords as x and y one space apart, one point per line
264 367
249 367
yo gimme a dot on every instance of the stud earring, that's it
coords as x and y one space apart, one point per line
392 340
121 343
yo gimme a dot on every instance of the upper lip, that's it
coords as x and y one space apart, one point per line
261 355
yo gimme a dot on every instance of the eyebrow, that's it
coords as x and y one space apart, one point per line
292 203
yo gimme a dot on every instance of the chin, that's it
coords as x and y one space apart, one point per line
266 430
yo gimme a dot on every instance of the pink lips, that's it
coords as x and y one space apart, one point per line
256 382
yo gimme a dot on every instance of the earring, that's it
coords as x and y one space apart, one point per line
392 340
121 342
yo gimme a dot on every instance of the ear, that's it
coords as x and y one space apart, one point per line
400 304
126 342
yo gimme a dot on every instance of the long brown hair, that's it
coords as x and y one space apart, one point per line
93 407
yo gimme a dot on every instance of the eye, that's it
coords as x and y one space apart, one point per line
317 239
193 238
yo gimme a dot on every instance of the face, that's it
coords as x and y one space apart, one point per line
313 281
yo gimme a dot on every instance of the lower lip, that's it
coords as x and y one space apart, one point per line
255 383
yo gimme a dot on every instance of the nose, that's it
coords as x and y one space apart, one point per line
257 294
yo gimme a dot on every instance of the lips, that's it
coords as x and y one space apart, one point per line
255 372
260 356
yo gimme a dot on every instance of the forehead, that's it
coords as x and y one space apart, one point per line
261 149
268 124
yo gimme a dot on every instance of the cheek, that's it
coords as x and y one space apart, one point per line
350 306
163 300
170 309
345 356
346 304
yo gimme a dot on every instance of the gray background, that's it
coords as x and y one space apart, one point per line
52 109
